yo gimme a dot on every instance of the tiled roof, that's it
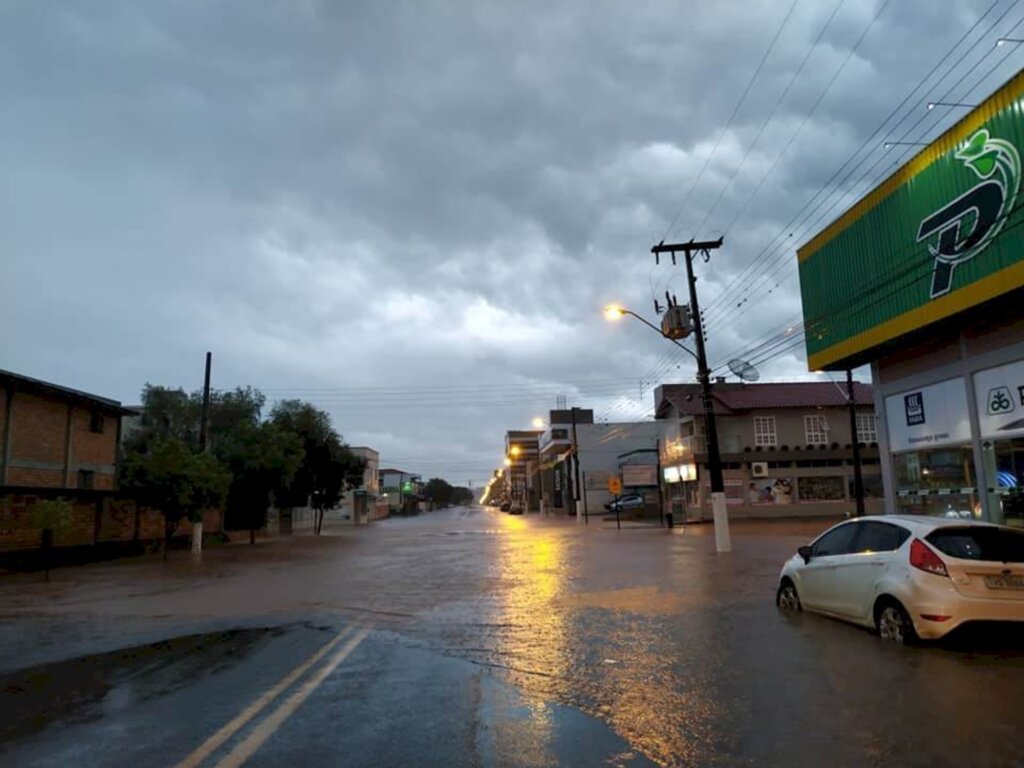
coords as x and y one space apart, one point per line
736 397
18 381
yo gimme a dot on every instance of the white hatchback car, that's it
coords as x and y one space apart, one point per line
909 576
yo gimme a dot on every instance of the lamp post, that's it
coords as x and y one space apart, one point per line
933 104
719 511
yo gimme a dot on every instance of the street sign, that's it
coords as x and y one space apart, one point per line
614 486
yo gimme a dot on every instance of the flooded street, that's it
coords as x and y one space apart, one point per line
470 637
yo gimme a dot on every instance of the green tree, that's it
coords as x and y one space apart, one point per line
229 410
333 470
169 477
438 492
53 518
168 412
262 458
328 468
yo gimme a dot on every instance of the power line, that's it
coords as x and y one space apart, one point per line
780 264
732 117
779 101
809 209
717 307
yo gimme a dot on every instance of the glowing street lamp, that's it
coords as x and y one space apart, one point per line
538 423
714 461
614 312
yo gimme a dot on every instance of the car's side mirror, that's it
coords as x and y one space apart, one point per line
805 552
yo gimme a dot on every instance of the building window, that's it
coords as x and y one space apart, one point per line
816 429
822 489
96 421
86 478
867 432
764 430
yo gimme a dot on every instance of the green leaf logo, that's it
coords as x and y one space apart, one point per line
975 147
978 156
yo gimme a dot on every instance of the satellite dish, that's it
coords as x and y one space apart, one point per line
744 370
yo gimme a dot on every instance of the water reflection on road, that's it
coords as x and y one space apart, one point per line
609 652
683 654
678 650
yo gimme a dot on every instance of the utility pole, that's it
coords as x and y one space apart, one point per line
204 428
719 511
586 510
662 516
575 466
858 477
204 423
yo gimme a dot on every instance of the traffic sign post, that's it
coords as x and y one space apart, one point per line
615 488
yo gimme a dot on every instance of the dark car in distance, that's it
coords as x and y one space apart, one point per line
628 501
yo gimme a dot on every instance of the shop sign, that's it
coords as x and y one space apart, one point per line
938 236
684 473
1000 399
635 475
930 416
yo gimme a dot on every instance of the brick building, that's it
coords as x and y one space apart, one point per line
56 441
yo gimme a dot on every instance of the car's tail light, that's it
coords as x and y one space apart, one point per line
921 556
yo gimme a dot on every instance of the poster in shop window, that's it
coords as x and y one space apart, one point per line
1000 400
927 417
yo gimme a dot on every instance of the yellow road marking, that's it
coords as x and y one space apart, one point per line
264 730
229 730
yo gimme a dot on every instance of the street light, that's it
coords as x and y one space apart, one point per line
514 451
614 312
538 423
508 462
720 514
933 104
891 144
1005 40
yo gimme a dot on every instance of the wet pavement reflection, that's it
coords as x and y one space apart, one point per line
534 641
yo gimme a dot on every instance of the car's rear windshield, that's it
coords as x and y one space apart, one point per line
979 543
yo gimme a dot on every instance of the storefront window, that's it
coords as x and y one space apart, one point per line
937 482
821 489
872 487
1004 475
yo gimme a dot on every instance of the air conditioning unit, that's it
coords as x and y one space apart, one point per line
759 468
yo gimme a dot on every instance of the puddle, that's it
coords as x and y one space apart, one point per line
91 687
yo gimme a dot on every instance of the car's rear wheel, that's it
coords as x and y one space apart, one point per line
787 598
894 624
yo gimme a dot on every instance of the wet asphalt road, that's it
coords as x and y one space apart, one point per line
472 638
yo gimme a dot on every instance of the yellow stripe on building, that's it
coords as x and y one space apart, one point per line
1003 281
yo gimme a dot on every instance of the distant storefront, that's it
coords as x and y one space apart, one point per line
924 280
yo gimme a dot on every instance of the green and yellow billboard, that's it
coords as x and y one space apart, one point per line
940 235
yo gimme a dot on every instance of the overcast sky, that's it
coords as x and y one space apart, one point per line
412 213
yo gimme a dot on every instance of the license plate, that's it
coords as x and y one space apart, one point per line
1004 582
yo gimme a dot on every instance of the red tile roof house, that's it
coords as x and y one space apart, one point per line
786 448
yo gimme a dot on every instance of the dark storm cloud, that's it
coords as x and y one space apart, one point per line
332 195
